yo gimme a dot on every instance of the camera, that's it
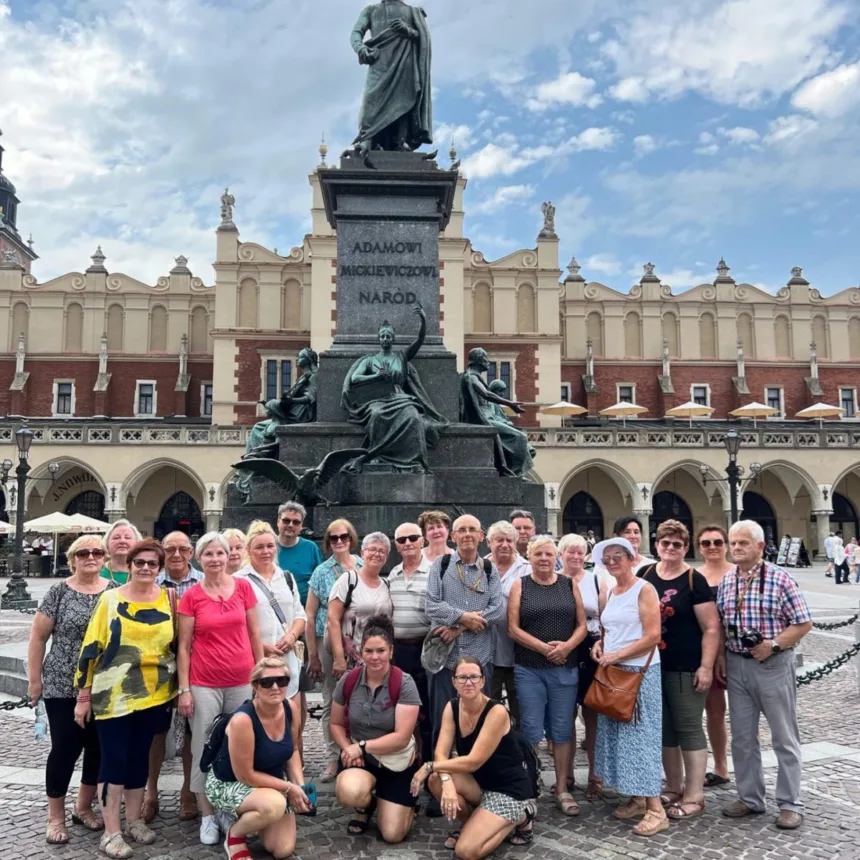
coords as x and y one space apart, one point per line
750 638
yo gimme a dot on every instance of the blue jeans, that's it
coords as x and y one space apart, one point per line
542 690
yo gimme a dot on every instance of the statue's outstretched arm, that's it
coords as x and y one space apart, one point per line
415 347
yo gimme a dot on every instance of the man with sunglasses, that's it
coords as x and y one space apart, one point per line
298 555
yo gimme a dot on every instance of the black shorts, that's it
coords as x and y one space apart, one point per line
390 785
587 667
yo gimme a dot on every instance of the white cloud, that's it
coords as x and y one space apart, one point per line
605 264
706 137
680 278
502 198
710 149
789 128
569 88
594 37
595 138
831 94
644 144
740 135
630 90
462 135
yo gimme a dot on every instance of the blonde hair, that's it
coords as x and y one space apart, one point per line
268 663
120 524
255 530
573 540
230 534
541 541
89 541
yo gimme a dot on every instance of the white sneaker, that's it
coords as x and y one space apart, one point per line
210 832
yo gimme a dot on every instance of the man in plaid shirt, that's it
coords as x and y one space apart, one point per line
760 601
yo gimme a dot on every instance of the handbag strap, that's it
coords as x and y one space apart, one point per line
273 601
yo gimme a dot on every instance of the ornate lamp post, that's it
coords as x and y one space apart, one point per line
16 595
732 441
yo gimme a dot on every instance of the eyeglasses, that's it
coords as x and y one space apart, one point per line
370 551
289 521
707 544
140 563
468 679
609 560
344 538
407 539
674 544
268 683
467 530
178 550
86 553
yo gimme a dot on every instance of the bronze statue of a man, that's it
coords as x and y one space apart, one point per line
396 111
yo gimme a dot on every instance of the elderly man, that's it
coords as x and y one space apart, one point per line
178 574
464 596
296 554
502 540
524 523
764 616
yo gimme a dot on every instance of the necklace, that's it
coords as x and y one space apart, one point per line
468 721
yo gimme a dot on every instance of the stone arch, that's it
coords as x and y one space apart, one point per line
291 305
115 328
20 324
792 494
248 304
746 334
715 479
820 336
671 333
793 477
854 337
46 490
134 482
782 336
624 482
149 487
708 336
526 309
158 329
482 309
73 339
198 341
594 330
609 487
632 335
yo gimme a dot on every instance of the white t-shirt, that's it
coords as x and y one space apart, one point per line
366 602
828 546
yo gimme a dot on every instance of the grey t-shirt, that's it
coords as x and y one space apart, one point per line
371 715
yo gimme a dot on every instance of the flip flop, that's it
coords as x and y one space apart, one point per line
712 780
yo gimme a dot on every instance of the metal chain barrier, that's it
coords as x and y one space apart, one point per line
11 706
828 667
836 624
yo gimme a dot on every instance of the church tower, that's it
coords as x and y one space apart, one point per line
12 248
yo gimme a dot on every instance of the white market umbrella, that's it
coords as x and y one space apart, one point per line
563 408
754 411
6 528
821 411
89 524
690 410
623 411
53 524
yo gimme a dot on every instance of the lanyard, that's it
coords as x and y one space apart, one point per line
474 588
740 599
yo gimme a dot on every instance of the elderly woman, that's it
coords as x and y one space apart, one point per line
219 645
126 679
373 722
502 540
485 788
261 747
356 597
688 648
627 755
120 538
572 550
341 540
436 528
280 614
63 617
236 540
713 543
546 620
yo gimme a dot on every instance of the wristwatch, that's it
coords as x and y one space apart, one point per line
444 777
362 745
775 647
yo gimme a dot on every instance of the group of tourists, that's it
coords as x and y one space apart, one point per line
843 559
442 677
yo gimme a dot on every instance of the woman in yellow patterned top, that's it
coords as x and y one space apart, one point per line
126 679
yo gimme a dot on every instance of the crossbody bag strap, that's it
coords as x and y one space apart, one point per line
273 601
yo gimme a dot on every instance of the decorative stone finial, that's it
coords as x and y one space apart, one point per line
648 268
452 152
323 150
98 258
228 201
30 242
573 267
548 231
181 260
181 267
722 268
797 272
797 278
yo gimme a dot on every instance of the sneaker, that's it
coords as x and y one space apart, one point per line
788 820
210 832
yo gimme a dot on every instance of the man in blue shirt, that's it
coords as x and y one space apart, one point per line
298 555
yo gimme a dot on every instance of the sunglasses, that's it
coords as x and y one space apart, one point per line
267 683
140 563
675 544
344 538
609 560
288 521
407 539
86 553
709 543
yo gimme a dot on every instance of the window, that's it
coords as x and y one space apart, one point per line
501 370
64 399
626 392
277 376
145 400
206 399
565 391
848 401
700 394
773 398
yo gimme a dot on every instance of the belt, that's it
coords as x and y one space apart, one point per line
418 641
747 656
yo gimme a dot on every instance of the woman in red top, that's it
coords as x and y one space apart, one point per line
219 645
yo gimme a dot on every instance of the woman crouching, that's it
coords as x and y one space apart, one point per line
487 787
247 777
373 718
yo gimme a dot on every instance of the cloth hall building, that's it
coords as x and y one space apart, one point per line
143 394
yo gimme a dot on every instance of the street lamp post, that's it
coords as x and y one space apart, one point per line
16 595
732 442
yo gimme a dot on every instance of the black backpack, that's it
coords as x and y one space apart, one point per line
532 763
214 742
352 584
446 561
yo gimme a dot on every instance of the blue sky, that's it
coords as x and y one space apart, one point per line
674 131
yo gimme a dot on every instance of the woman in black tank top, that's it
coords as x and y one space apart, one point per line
488 788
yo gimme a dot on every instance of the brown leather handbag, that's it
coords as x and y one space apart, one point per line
614 691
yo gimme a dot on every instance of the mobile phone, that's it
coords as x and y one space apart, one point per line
310 791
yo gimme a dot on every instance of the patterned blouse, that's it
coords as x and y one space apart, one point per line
322 581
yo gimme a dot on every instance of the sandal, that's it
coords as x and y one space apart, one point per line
140 832
187 808
451 841
115 846
632 809
678 810
594 790
89 819
149 809
56 833
356 827
712 780
523 834
567 804
651 824
330 772
670 797
233 841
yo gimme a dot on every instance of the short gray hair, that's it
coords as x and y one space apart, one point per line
520 514
572 540
502 527
756 532
123 524
376 537
208 538
295 507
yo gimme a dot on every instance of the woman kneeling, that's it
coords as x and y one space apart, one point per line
247 776
373 717
487 788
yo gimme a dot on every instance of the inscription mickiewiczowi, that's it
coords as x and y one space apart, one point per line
380 269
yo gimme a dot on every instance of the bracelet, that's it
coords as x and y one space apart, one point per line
83 699
184 690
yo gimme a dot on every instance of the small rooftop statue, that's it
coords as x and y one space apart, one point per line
548 230
228 201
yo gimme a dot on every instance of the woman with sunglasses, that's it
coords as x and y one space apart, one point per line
261 747
126 679
485 788
63 617
713 541
688 648
120 538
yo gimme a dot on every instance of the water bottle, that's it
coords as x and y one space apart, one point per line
41 729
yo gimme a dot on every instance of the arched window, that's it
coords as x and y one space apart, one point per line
20 325
526 310
594 330
746 335
198 342
158 329
482 309
819 336
291 311
247 304
668 505
757 507
90 503
74 341
115 328
670 334
632 336
708 336
782 337
179 514
581 515
854 337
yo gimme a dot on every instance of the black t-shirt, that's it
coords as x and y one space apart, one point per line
681 643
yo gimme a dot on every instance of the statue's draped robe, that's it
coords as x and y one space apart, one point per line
398 83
